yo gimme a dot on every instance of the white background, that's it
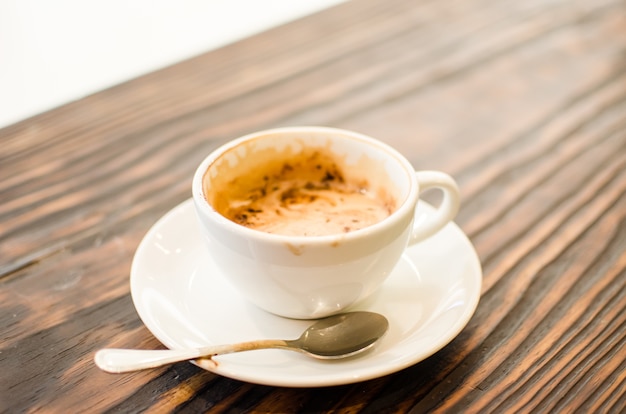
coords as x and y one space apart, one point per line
56 51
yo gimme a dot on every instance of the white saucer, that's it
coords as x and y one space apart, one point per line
185 302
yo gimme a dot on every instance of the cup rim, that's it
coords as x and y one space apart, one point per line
406 207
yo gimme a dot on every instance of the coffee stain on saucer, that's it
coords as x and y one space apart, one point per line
207 362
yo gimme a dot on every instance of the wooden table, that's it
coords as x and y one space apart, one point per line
524 103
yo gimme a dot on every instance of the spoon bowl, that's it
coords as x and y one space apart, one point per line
339 336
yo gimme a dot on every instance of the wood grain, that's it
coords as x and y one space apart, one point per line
524 103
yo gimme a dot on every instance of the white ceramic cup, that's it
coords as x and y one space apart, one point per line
307 277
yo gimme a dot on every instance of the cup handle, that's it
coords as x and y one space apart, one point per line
447 209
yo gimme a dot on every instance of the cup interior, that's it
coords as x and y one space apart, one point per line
244 163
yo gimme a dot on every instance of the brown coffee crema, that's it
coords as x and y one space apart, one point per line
305 195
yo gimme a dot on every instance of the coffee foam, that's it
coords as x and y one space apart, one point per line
293 209
304 194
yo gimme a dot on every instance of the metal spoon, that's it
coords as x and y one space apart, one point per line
335 337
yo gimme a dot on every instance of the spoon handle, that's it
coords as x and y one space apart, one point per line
117 360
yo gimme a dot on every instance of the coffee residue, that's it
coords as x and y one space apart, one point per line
307 196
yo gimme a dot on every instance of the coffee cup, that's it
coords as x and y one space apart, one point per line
306 221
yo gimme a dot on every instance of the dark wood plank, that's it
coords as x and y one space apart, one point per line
524 103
